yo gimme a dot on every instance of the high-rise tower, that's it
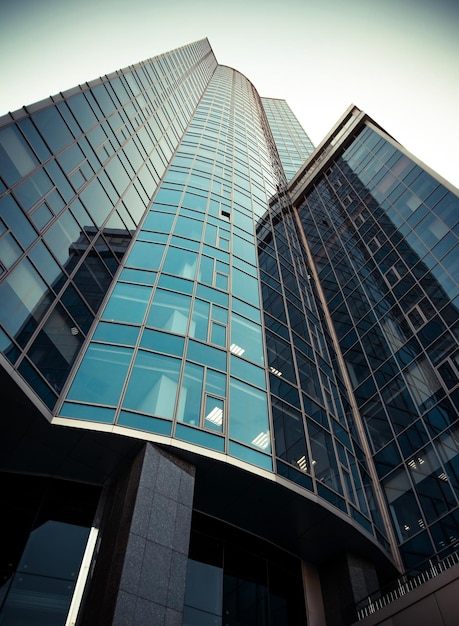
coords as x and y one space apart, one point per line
221 400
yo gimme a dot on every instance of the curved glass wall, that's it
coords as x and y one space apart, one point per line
192 344
383 234
179 349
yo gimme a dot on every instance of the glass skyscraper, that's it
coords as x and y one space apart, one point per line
229 360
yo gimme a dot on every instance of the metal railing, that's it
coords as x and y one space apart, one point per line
403 586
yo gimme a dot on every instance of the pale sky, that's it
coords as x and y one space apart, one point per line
398 60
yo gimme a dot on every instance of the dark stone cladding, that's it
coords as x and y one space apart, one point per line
140 572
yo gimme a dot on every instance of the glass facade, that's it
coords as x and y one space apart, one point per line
292 143
77 177
383 235
161 280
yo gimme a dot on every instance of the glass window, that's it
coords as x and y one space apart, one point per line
206 355
180 263
16 158
55 348
116 334
200 320
249 416
10 251
186 227
127 303
214 413
158 221
145 423
97 202
82 111
246 339
46 264
52 127
245 287
15 219
66 240
170 311
153 385
33 189
404 509
23 297
162 342
101 375
189 407
324 457
248 372
289 436
145 255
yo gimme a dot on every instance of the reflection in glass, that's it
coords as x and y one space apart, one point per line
153 384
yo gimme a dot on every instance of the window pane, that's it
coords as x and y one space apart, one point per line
180 263
249 416
189 408
213 414
127 303
246 339
101 375
153 384
169 311
16 158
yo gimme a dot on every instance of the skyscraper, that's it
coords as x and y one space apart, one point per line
229 387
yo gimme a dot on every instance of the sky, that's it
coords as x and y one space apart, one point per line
398 60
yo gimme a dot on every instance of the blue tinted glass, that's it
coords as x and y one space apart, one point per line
180 263
127 303
21 294
138 276
216 383
200 320
86 412
146 255
246 310
212 295
153 384
189 407
33 189
246 339
169 311
82 111
10 251
250 455
45 263
162 342
245 287
116 334
201 438
41 216
53 129
187 227
15 219
249 416
101 375
16 158
168 196
248 372
218 334
63 237
97 202
214 413
173 283
145 423
206 355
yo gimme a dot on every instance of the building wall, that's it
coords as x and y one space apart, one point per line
78 172
382 232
